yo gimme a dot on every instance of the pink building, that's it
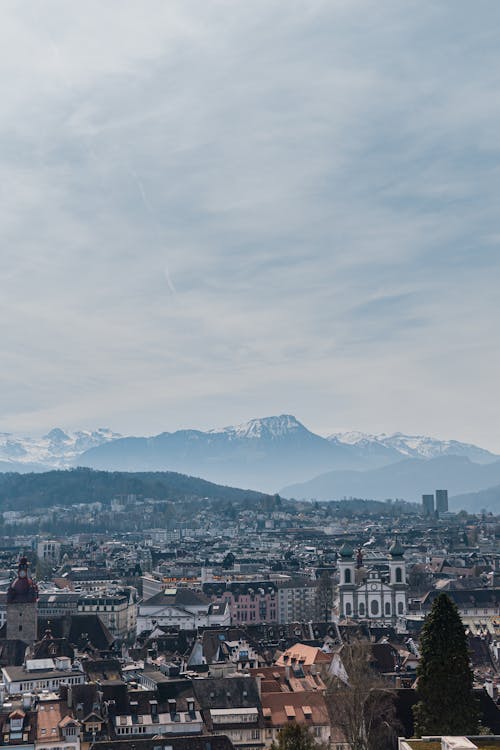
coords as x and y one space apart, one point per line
252 602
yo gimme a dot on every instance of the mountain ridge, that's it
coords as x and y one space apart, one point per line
265 453
407 479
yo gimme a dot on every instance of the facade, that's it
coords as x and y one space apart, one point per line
372 594
298 601
442 501
428 505
22 597
49 551
182 608
40 674
251 602
117 610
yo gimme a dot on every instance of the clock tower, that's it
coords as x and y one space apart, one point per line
22 612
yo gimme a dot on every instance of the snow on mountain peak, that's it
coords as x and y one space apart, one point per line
414 446
271 427
56 449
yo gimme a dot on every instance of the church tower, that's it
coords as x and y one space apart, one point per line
22 612
347 583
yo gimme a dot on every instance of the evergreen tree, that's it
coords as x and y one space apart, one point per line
294 737
446 702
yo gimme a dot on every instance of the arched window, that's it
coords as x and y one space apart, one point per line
347 576
361 609
348 609
399 575
374 607
387 608
401 608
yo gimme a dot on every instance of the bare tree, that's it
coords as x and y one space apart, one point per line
361 704
324 596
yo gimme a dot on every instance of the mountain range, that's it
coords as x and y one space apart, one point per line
268 454
407 479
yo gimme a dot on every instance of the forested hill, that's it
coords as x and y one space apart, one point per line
86 486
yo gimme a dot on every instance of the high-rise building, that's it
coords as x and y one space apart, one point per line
428 505
442 501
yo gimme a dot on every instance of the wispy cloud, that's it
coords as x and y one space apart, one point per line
212 211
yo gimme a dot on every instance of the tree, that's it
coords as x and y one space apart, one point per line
294 737
361 704
445 680
324 596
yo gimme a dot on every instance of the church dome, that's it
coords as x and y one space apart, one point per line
346 550
23 589
396 549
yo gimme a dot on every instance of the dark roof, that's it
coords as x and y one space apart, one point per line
50 647
102 669
79 630
231 692
182 597
197 742
385 657
237 588
472 599
12 652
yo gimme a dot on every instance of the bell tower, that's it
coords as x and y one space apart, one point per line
22 610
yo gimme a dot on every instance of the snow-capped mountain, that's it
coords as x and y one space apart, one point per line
56 449
415 446
263 454
264 428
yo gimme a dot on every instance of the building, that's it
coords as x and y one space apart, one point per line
304 708
298 601
442 501
252 602
374 593
22 614
428 505
49 551
117 610
41 674
182 608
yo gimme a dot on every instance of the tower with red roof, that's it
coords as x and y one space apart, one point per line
22 609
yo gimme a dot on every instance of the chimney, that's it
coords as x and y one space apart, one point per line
258 682
27 700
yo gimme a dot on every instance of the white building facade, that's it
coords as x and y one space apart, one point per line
372 594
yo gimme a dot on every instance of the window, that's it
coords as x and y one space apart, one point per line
387 608
374 607
401 608
399 575
348 609
347 576
361 609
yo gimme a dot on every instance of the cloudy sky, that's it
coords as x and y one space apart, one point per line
213 211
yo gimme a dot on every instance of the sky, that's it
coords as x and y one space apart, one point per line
213 211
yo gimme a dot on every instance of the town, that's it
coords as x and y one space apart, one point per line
219 629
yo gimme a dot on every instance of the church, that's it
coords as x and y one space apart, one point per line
376 592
